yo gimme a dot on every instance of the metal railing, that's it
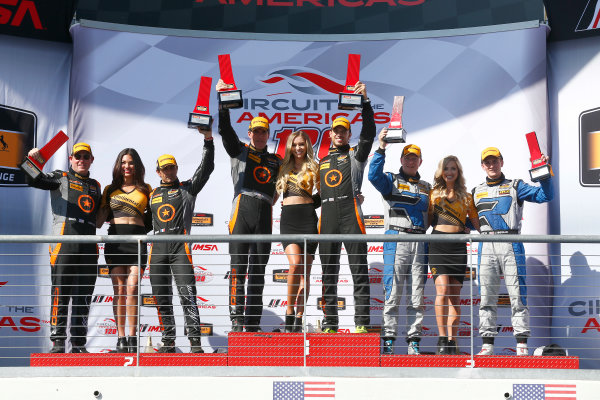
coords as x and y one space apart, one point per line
564 306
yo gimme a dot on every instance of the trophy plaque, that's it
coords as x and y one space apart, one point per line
396 133
348 100
231 97
201 117
32 167
540 170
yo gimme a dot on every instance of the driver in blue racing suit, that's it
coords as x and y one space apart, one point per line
499 203
406 203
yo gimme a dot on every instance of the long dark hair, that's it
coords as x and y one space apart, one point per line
138 175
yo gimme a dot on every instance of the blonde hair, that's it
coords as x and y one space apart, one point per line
439 184
309 166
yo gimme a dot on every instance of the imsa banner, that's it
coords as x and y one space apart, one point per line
463 94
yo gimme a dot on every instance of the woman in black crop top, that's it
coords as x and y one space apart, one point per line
298 178
125 205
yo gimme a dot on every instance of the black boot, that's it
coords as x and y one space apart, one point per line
77 348
122 345
298 324
132 344
237 325
442 346
289 323
452 347
58 346
196 346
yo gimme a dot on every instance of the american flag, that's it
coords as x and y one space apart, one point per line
544 392
303 390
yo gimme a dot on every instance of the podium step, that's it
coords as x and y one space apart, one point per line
266 349
344 350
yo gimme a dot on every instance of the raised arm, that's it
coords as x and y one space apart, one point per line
207 165
232 143
382 181
369 130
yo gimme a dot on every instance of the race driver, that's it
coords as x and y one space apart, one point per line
172 206
75 198
254 173
499 203
406 204
341 173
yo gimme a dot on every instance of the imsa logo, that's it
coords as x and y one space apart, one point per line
280 275
341 303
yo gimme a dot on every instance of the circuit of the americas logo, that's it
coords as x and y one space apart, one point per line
374 221
17 135
341 303
103 271
148 300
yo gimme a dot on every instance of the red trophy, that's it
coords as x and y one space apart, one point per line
540 170
231 97
201 117
32 167
349 100
396 133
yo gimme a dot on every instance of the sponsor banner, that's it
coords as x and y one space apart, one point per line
573 19
37 19
271 16
373 221
575 315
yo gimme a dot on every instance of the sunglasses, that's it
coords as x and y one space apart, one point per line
84 156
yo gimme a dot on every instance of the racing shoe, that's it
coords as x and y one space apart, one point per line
58 346
237 325
361 329
388 346
413 348
78 349
329 330
122 345
486 350
196 345
298 324
522 349
167 347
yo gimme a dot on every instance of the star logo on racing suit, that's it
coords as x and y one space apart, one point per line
262 174
333 178
165 213
86 203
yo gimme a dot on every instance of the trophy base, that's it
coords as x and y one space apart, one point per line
202 121
395 135
540 173
30 169
350 101
230 99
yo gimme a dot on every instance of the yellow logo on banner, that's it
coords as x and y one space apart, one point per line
480 195
403 187
11 147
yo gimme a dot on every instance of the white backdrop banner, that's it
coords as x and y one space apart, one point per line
576 127
34 82
463 94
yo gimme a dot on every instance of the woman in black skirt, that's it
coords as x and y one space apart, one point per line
298 179
125 205
450 206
